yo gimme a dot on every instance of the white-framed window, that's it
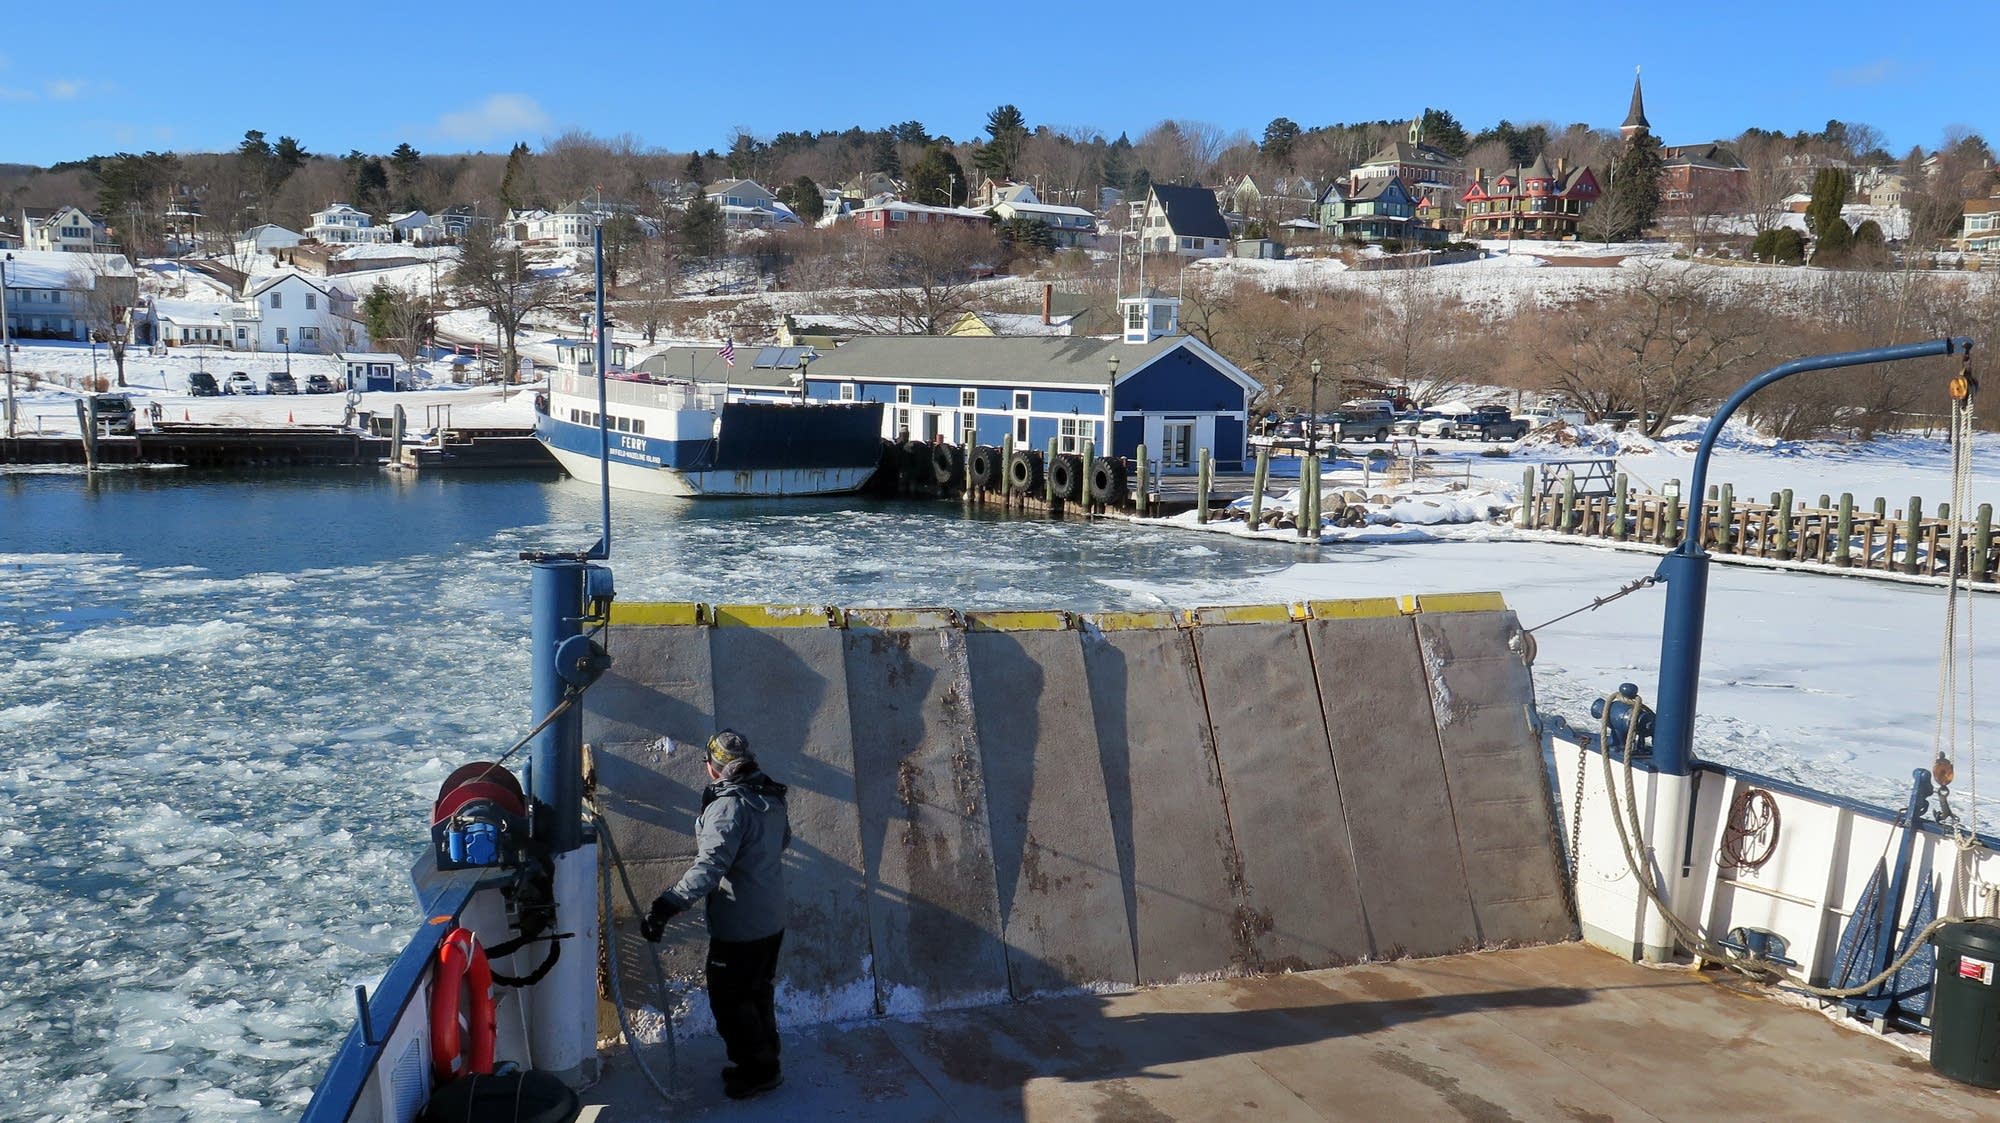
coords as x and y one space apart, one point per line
1135 317
968 399
1021 431
902 424
283 338
1022 398
311 297
847 391
1071 432
903 396
968 425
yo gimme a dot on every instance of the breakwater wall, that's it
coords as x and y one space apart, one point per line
991 805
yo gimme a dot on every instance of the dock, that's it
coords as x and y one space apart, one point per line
1564 1031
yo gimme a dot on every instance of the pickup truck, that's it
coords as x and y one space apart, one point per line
1357 426
1489 425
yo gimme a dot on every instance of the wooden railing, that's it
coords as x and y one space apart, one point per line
1833 532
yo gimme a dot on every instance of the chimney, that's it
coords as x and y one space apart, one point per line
1562 167
1048 301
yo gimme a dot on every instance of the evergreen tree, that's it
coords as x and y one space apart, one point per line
696 171
1761 247
1833 244
1870 249
886 160
1009 132
514 181
1829 191
289 157
746 156
1788 246
1025 235
701 228
1635 186
404 164
368 182
1443 132
803 196
911 132
936 177
1280 137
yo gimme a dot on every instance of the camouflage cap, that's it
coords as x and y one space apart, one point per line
727 746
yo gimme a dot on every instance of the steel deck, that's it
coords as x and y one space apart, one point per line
1557 1032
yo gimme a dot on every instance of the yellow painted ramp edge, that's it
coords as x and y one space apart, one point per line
671 614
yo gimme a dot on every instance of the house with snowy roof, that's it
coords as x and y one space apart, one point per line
341 224
49 292
1376 210
405 224
264 238
747 204
1151 386
1183 221
64 229
1069 226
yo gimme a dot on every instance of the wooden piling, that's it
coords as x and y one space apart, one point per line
1725 516
1618 501
1915 515
1089 455
1308 514
86 419
1203 481
1982 545
1673 527
1529 516
1566 522
1144 498
1258 479
1784 506
1843 544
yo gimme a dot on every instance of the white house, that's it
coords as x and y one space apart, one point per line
344 225
747 204
405 225
209 323
1183 221
48 291
264 238
1071 226
61 230
292 313
569 229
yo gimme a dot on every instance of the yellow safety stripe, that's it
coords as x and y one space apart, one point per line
902 619
774 616
1355 608
1017 621
656 613
1455 602
1246 614
1132 621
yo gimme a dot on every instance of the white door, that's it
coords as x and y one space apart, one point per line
1177 446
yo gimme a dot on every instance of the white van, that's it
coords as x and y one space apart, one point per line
1541 415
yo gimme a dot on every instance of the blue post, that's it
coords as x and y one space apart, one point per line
603 547
555 782
1685 571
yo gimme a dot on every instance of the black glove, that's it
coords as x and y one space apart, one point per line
664 908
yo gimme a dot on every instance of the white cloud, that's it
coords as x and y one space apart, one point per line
1873 74
498 115
63 89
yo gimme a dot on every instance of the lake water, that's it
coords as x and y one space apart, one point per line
226 704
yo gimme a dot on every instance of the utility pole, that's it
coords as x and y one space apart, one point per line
6 344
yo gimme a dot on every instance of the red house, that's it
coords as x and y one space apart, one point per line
1535 203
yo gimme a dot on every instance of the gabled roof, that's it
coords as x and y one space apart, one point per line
1375 187
725 186
1191 211
1403 152
1712 155
267 283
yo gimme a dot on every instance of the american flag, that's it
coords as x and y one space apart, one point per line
728 351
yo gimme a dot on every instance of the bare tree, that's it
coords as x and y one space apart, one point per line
109 299
925 276
497 278
1662 344
1414 326
1768 178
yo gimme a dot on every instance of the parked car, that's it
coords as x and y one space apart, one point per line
1405 423
202 385
1348 426
1440 425
1539 416
114 414
318 384
1490 424
278 382
239 383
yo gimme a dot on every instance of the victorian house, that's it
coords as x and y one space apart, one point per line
1531 203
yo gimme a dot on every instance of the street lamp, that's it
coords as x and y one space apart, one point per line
1110 390
1312 413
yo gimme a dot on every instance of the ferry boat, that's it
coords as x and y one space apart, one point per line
669 436
1039 806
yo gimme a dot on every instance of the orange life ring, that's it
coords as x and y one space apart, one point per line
459 959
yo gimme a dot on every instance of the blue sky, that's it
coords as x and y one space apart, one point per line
477 77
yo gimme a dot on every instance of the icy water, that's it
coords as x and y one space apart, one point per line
225 706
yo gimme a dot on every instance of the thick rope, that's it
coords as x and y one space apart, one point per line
617 991
1698 944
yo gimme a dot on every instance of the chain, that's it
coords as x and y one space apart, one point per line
1645 582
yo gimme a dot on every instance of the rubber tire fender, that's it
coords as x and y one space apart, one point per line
1024 472
947 464
1066 477
1107 480
985 468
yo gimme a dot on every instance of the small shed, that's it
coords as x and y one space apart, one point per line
375 371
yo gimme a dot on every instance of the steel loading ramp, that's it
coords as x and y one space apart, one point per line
995 805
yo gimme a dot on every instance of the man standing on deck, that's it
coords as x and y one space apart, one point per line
739 871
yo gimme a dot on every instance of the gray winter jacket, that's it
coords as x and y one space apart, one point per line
741 838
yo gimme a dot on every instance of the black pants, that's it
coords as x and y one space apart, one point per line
741 995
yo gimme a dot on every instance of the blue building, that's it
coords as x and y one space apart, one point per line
1152 385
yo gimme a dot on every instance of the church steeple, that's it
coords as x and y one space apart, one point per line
1635 121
